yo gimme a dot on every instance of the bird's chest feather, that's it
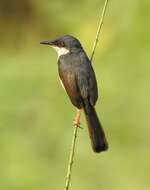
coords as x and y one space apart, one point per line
69 63
67 74
69 67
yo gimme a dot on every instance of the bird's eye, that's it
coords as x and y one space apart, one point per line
61 44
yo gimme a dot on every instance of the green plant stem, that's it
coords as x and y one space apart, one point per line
99 29
71 158
74 138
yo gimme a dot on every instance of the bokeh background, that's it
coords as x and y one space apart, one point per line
35 114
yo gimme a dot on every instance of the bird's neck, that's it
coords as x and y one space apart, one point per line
61 51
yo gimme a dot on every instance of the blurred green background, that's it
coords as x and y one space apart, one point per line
36 115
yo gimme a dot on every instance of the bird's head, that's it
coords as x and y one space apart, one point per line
63 45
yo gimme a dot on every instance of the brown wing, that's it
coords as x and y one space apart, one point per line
69 81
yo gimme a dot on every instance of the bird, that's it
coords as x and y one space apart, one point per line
79 81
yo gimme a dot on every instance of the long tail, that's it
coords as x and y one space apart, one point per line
96 132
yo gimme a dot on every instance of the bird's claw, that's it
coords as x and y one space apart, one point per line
77 124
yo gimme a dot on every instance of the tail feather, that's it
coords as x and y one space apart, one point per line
96 132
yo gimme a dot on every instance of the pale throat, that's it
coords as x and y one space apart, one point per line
61 50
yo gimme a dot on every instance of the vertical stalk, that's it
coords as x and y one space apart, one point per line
74 138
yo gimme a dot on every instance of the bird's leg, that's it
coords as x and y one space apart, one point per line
77 118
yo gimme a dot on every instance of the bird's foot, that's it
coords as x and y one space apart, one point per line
76 122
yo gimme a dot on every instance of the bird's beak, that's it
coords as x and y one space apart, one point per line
47 42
